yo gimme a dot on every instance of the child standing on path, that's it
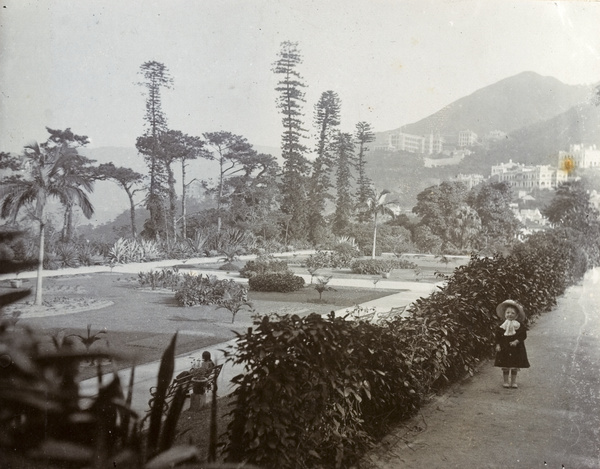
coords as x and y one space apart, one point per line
510 337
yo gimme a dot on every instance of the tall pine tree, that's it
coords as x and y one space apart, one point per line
295 166
363 135
156 76
327 119
344 152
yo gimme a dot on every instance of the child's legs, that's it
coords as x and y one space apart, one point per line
513 375
505 372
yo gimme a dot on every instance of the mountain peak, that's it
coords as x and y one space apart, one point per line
507 105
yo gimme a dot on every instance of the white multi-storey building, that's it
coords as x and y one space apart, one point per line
428 145
467 138
528 178
581 157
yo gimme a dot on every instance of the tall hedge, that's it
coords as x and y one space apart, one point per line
317 390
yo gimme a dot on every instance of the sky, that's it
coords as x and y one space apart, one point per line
74 63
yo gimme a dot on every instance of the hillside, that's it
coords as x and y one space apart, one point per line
539 143
508 105
541 116
535 144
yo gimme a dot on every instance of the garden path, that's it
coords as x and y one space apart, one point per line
552 421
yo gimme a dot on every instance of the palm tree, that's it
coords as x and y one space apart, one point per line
377 204
50 176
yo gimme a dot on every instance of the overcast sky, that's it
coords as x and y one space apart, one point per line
73 63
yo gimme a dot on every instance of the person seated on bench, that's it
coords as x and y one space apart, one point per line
199 374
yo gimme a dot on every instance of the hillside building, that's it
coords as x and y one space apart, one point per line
470 180
528 178
427 145
467 138
582 157
503 168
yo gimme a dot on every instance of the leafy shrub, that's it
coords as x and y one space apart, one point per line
164 278
51 261
276 282
379 266
306 402
343 254
146 250
86 254
208 290
318 260
122 252
66 255
263 265
125 251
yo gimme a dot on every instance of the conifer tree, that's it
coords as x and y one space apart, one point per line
344 152
327 119
156 76
363 135
295 166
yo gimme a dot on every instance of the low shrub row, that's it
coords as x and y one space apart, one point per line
283 282
263 265
379 266
340 257
208 290
316 391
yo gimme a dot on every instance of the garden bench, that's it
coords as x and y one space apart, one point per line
185 381
395 311
367 317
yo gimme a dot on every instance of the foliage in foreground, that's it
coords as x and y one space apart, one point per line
45 421
316 391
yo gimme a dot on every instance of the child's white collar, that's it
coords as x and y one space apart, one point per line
510 326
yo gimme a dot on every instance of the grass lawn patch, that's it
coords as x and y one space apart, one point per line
341 297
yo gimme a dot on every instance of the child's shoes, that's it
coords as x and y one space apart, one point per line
506 385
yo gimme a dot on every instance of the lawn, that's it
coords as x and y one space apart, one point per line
139 322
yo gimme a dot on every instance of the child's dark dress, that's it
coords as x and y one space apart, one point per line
511 357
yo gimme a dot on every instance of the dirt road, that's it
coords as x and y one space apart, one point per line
551 421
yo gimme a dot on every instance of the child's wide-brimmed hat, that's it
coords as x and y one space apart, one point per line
501 310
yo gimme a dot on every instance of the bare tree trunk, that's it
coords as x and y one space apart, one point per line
220 195
132 214
40 270
374 236
183 201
